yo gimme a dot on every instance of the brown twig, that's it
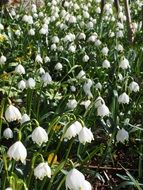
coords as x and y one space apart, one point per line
109 168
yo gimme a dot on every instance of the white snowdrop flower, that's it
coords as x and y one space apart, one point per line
58 67
42 170
31 32
120 25
107 7
106 64
85 58
55 40
41 71
87 87
47 79
35 15
81 36
73 130
30 20
41 14
72 19
134 87
119 34
111 34
33 8
60 48
86 14
7 133
86 185
24 118
74 180
98 10
124 64
120 77
98 1
12 113
1 27
89 25
99 101
98 42
122 135
22 85
18 33
38 59
43 31
81 75
53 47
39 136
73 88
30 83
103 110
8 188
123 98
47 59
72 48
105 51
25 18
72 104
98 86
119 47
92 38
86 103
85 135
2 60
20 69
18 152
76 6
66 4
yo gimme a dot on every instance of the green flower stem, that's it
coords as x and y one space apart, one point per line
38 102
1 115
61 183
29 101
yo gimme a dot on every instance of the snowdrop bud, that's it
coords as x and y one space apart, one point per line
73 130
24 118
20 69
122 135
31 32
74 179
1 27
18 152
2 60
72 104
39 136
105 51
103 110
106 64
58 66
31 83
85 135
47 79
85 58
98 86
42 170
123 98
81 75
38 59
22 85
99 101
86 103
8 134
134 87
124 64
12 114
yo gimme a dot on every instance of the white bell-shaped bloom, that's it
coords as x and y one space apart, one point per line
74 180
18 152
7 133
105 51
86 185
39 59
41 71
98 86
85 58
8 188
20 69
24 118
58 67
123 98
122 135
124 64
103 110
85 135
22 85
86 103
12 113
99 101
106 64
72 104
30 83
134 87
81 74
39 136
42 170
2 60
87 87
47 79
73 130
